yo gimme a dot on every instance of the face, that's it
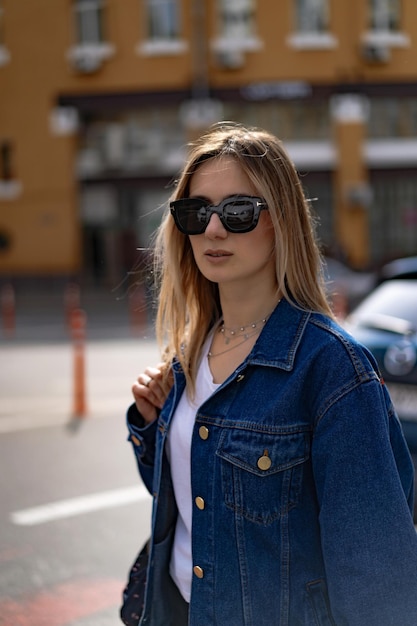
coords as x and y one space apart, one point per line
221 256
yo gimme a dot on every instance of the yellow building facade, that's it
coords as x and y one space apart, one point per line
98 99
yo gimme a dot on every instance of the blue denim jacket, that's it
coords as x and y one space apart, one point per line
306 485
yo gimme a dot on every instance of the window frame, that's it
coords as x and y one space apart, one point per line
88 54
4 53
166 40
312 34
95 11
384 36
234 44
380 14
10 186
318 10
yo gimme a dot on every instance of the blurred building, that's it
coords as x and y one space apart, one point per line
98 99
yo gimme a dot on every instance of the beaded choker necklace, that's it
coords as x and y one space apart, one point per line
241 331
244 333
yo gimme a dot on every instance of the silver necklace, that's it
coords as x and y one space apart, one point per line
241 331
247 336
248 331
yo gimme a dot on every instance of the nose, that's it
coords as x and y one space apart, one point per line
215 229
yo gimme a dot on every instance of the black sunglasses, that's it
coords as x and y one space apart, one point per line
238 214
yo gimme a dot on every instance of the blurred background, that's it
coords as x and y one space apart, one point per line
98 100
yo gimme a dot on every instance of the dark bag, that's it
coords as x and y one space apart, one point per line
134 592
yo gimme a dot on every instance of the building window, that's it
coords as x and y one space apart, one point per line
393 117
10 187
163 28
163 19
237 18
91 49
393 215
134 142
1 24
384 30
6 169
237 32
312 25
292 121
4 53
312 16
384 15
89 21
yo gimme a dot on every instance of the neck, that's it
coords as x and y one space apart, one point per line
242 311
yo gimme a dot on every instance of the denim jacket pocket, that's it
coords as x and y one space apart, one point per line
262 471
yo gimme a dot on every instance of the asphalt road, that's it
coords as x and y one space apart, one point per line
73 512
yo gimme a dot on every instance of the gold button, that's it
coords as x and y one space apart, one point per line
203 431
264 462
240 378
136 440
198 571
200 503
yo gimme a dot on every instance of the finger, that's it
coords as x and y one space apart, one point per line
156 373
159 380
149 389
152 386
148 376
145 380
144 401
157 393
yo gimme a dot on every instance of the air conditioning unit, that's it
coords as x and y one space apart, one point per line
230 59
376 53
200 113
86 63
360 195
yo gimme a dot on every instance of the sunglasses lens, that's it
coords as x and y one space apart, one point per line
191 216
238 215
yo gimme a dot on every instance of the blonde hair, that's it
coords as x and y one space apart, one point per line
188 303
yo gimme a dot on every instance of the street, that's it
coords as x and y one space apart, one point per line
73 510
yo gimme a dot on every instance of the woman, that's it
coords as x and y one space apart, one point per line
282 483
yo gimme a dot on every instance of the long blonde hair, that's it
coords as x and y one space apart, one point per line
188 303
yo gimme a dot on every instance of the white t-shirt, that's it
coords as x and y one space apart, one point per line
179 455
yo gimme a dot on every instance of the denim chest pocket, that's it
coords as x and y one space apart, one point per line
262 472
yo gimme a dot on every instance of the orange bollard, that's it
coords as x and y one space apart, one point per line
78 331
71 301
8 310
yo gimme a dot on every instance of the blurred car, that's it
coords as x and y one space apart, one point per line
399 268
344 283
386 323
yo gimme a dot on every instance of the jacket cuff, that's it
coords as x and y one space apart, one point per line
141 434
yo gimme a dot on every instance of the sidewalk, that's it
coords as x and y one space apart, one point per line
37 360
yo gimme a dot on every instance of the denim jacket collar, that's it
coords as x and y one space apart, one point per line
287 323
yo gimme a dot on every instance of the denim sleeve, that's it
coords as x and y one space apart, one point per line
142 436
364 480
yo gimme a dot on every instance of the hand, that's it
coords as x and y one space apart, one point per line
150 391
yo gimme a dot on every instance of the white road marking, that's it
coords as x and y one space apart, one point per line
77 506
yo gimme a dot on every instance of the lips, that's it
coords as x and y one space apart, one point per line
217 253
